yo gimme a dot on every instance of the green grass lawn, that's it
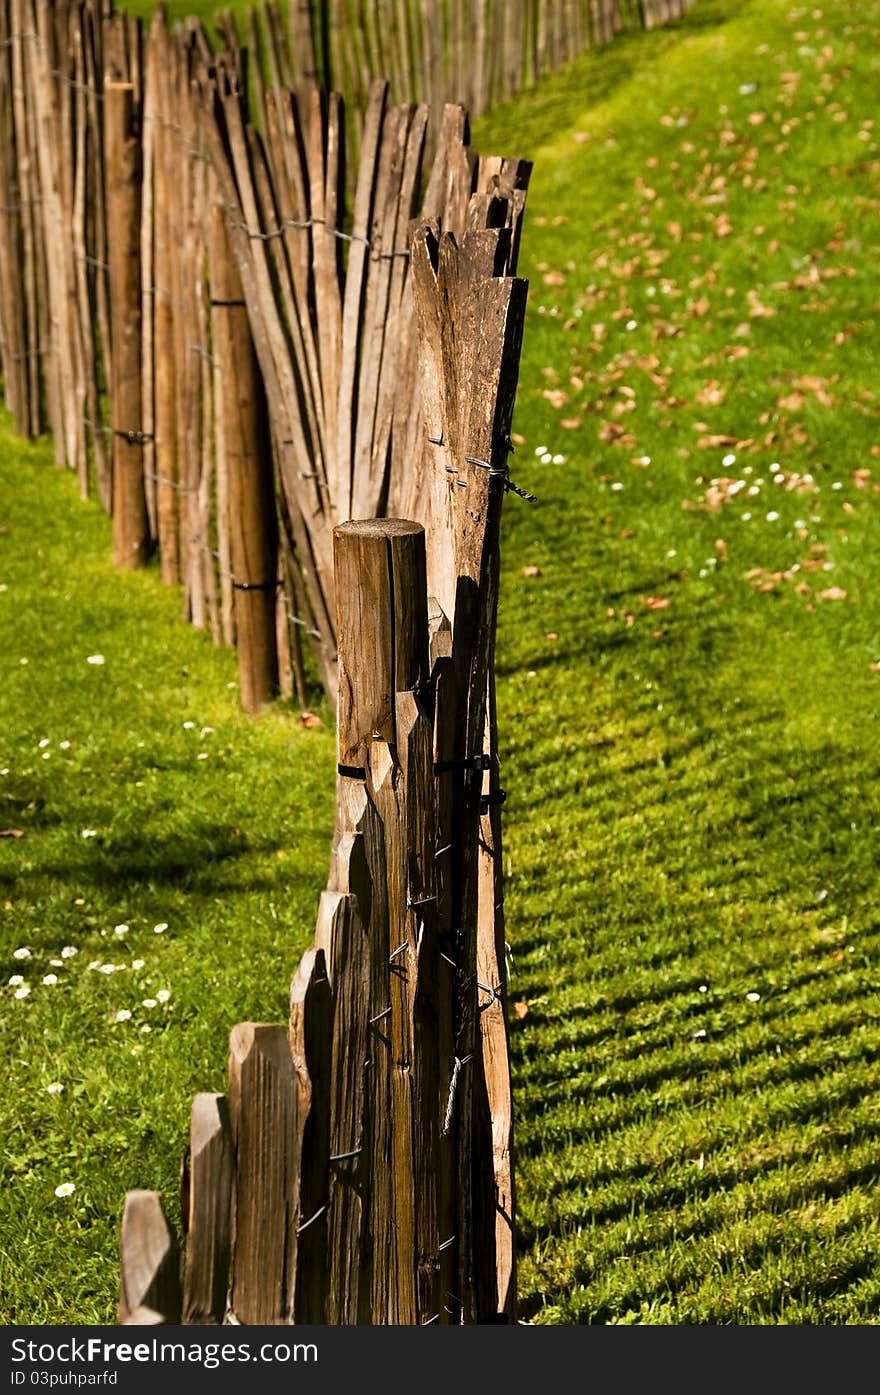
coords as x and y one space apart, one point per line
688 681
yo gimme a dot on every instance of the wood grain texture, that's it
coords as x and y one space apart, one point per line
209 1211
263 1100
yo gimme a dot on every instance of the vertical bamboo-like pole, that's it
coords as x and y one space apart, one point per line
123 174
242 419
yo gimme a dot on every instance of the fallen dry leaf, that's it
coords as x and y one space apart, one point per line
655 602
712 395
832 593
520 1011
531 570
309 719
11 833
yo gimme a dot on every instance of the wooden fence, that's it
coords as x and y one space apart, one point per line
360 1168
473 52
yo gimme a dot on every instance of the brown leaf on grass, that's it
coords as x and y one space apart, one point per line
520 1011
833 593
712 395
555 396
721 549
553 278
861 478
736 351
310 719
11 833
874 668
723 226
700 307
710 442
793 402
570 423
664 330
655 602
531 570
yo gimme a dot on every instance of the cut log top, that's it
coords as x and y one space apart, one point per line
379 528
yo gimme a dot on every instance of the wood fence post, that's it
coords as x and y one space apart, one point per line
131 532
386 858
242 420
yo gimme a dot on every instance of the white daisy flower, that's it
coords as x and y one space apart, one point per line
65 1189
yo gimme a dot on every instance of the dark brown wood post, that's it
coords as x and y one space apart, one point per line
131 533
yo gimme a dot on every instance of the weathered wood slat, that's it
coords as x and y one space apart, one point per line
149 1262
209 1224
263 1097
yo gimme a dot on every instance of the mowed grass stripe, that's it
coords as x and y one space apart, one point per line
691 742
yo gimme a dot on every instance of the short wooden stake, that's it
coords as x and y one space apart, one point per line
149 1262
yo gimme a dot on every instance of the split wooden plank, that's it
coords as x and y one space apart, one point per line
149 1262
209 1211
263 1094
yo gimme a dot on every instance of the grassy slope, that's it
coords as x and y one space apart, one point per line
692 801
229 850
